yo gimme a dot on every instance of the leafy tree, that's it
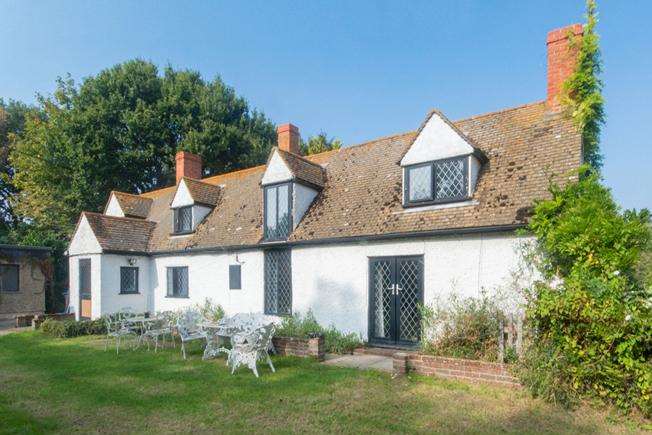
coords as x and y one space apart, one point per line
319 144
592 318
583 89
120 130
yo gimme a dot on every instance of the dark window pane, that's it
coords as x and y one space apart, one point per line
85 278
420 182
235 277
278 208
450 179
278 282
9 277
270 212
128 280
183 219
283 224
177 284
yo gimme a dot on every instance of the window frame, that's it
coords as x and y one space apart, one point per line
175 220
169 269
136 284
266 283
13 266
290 186
433 183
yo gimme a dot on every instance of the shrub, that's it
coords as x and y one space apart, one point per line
592 319
462 328
54 328
306 326
210 310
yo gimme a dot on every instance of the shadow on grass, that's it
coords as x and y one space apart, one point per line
142 390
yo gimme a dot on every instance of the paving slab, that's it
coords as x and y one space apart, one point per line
363 362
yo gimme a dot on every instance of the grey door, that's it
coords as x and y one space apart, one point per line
395 296
85 288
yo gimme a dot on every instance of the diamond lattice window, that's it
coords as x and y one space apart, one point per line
420 181
183 219
450 179
177 285
278 282
278 206
128 280
439 181
410 320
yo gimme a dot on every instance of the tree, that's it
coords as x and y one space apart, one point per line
120 130
583 89
319 144
12 122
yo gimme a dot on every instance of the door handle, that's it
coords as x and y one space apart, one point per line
399 289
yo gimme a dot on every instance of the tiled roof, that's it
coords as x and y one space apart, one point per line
525 146
133 205
303 169
202 192
120 234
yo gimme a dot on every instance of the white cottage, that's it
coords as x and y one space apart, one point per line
360 235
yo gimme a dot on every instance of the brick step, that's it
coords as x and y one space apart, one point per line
380 351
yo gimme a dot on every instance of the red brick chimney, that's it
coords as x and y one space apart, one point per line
289 138
188 165
562 59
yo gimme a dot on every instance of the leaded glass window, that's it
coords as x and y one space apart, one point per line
438 181
177 282
278 282
128 280
278 207
183 219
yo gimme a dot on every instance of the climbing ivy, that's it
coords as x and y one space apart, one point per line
583 89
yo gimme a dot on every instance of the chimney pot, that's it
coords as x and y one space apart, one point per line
288 138
188 165
562 60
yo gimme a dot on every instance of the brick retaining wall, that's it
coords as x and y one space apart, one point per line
454 368
302 347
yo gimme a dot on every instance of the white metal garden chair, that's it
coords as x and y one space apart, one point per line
157 329
117 329
189 328
250 347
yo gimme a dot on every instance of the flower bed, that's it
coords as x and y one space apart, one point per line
454 368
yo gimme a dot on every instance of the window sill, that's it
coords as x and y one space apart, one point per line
177 297
9 291
437 206
129 293
182 233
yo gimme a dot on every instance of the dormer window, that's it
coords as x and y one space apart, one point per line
278 208
435 182
183 220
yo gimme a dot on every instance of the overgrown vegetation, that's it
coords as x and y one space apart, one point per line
583 89
72 328
592 316
319 144
210 310
306 326
463 327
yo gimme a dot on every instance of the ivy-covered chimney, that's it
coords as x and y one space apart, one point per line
562 59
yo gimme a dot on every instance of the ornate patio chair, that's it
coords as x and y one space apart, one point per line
156 330
249 348
117 329
189 328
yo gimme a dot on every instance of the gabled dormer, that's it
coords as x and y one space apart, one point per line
122 204
290 184
441 166
192 202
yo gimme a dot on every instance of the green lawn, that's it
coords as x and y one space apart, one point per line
55 385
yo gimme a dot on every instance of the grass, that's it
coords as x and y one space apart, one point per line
65 385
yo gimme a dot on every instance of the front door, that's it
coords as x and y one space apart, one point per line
85 288
395 293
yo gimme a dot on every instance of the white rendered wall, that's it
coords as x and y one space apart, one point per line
276 171
182 196
96 278
113 207
302 197
437 140
112 300
199 212
208 277
84 240
332 280
474 172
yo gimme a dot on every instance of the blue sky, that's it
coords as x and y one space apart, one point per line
357 70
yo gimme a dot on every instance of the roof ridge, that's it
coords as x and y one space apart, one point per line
201 181
131 194
117 217
495 112
303 158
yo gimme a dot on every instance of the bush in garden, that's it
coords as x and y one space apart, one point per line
462 328
306 326
591 317
54 328
72 328
210 310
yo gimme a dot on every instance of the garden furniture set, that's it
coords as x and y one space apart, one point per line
249 334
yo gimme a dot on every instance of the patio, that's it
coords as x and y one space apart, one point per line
64 385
